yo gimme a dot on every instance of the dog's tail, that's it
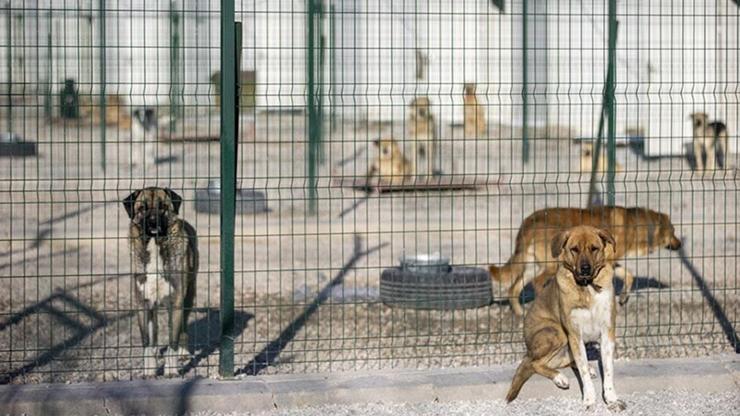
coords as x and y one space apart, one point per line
523 373
508 272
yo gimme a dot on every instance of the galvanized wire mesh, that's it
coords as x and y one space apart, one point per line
320 81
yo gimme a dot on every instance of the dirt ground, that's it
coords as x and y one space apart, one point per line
66 309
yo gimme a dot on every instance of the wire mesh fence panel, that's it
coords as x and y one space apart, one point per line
389 153
113 96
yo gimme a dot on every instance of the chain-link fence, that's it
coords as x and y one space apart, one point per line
388 153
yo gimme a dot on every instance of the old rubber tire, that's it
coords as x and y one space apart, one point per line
460 288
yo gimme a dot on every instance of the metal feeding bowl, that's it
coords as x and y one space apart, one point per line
429 282
426 263
248 201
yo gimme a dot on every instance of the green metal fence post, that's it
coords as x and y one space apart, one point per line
101 54
313 119
228 185
320 87
611 107
333 71
175 81
10 71
237 105
605 112
48 92
525 86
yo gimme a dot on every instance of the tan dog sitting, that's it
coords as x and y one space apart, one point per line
422 131
475 122
576 307
390 166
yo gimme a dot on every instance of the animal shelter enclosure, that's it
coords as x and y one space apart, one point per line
351 193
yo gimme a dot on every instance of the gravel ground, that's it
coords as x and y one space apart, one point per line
671 402
65 292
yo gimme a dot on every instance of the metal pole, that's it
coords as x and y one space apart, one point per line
48 97
320 87
101 54
611 107
313 136
10 72
525 86
237 106
228 185
605 102
175 83
333 73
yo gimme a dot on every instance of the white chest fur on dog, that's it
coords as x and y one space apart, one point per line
156 288
596 319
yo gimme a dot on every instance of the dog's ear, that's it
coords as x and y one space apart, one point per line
129 201
175 198
558 243
606 237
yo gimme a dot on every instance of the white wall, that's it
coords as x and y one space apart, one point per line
672 58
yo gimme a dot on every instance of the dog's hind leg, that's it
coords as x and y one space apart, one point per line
698 154
711 153
627 281
550 352
722 154
515 290
523 373
546 272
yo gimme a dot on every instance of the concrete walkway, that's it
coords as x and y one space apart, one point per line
265 393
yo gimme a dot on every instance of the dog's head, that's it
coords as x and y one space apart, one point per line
152 210
420 107
469 88
699 119
387 148
584 251
665 233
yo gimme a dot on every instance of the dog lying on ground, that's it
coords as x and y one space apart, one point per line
710 142
164 255
575 307
637 231
390 166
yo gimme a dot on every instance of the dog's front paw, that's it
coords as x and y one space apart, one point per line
561 381
174 361
623 298
616 405
589 400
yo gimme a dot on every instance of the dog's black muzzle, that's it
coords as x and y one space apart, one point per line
585 274
155 225
675 244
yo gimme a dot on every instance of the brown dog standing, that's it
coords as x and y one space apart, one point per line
637 231
576 307
164 256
